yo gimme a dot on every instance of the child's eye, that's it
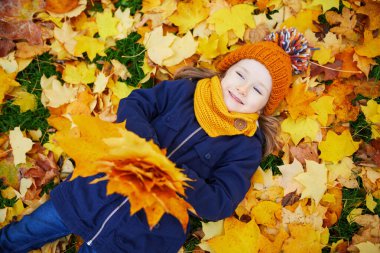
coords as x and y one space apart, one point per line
239 74
258 91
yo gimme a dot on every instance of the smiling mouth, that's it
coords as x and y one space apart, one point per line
235 98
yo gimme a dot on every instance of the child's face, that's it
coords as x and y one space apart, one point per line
246 86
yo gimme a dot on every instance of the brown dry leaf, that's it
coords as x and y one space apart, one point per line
329 70
21 30
369 231
6 46
343 94
305 151
372 10
370 89
294 5
20 9
371 179
345 22
256 34
25 50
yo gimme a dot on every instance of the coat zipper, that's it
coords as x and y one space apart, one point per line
184 141
89 243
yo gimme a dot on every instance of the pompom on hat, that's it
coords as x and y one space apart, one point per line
283 53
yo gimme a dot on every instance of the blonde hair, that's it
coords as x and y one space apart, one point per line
268 124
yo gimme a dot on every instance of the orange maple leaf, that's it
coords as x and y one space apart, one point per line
343 94
298 100
134 167
348 64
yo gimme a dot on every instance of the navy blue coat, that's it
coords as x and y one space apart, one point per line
221 167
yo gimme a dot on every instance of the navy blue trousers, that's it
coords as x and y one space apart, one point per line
34 230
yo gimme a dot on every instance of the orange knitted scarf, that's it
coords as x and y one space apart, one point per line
213 115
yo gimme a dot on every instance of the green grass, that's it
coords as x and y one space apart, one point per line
375 71
5 202
133 5
272 162
29 78
361 128
351 199
131 54
191 241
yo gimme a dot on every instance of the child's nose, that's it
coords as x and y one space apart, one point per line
243 89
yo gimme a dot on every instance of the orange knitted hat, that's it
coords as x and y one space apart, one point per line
285 52
274 58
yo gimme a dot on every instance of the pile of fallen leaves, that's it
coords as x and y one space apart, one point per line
320 191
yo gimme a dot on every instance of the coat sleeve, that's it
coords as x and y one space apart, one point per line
217 196
141 107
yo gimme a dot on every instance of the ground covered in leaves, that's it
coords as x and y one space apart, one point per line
320 191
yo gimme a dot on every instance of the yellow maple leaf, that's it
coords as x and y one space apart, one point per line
54 94
46 17
81 73
147 5
107 24
368 247
171 49
87 25
370 203
25 100
314 181
100 82
335 147
8 82
9 63
133 166
303 238
265 213
238 15
372 114
363 63
20 145
213 46
91 46
303 20
274 245
342 169
182 48
189 14
300 128
371 111
326 5
323 107
323 55
126 21
57 49
66 35
238 237
298 100
158 45
289 171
